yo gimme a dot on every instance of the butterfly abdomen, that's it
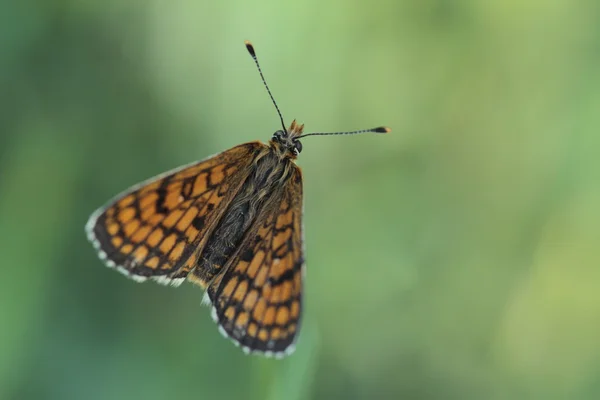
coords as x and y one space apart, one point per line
261 185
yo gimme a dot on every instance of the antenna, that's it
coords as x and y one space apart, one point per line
253 54
379 129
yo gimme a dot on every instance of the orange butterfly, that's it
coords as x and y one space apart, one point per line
231 224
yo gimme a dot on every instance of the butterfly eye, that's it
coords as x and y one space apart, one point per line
278 134
298 146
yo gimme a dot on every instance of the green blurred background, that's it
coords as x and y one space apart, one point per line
455 258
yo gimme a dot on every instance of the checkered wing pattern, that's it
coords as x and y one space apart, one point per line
156 229
257 301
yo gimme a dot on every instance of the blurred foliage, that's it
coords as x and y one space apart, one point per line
456 258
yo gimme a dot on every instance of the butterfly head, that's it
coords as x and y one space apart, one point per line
287 142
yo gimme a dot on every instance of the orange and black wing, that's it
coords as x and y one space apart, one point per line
157 228
257 300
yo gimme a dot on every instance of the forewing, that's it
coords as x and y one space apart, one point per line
155 229
257 301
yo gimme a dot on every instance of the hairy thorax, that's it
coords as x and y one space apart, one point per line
268 176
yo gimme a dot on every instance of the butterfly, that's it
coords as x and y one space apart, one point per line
232 224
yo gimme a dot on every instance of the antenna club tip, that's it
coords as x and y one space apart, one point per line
250 48
382 129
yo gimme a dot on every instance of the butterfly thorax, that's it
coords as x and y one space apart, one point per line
285 143
265 182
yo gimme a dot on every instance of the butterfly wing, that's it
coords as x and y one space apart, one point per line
257 300
157 228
